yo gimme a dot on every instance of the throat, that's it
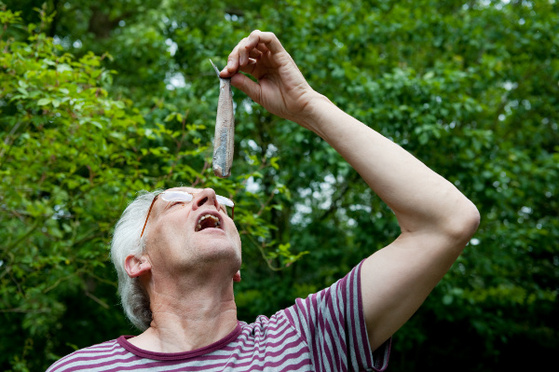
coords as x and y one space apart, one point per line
188 331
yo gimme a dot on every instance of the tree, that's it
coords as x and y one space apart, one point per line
468 87
71 159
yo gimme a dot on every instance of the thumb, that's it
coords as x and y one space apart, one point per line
251 88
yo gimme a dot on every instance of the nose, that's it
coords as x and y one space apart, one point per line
205 197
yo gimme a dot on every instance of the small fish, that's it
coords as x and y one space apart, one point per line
224 140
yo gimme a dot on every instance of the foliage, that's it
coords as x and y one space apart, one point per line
71 159
102 99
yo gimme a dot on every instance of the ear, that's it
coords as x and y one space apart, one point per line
136 266
237 276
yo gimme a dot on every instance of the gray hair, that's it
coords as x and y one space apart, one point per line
127 241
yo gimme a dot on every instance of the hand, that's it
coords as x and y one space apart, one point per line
281 88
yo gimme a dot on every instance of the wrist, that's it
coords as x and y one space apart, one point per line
312 116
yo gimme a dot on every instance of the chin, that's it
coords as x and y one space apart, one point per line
218 252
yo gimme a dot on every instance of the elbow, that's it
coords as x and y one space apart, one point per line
464 222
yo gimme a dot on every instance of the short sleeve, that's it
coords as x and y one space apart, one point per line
332 323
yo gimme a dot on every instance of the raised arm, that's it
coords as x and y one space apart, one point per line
436 220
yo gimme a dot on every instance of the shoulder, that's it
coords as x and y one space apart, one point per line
84 358
332 307
265 328
342 296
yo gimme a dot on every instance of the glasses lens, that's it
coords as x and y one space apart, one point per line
182 196
176 196
225 201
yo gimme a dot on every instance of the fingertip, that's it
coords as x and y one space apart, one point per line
229 69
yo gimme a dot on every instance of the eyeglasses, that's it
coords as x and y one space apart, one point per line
185 197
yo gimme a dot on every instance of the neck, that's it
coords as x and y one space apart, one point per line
188 315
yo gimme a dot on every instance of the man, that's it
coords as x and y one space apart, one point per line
178 254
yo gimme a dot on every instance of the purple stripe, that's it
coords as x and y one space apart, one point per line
264 324
366 348
270 342
334 318
325 331
279 352
338 333
218 364
79 357
107 363
286 358
258 332
352 325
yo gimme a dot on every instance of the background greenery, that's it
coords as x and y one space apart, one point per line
101 99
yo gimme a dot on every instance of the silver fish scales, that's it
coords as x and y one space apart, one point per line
224 140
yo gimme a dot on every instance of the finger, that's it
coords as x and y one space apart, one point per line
244 50
237 58
261 47
251 88
260 41
268 39
250 49
232 63
255 54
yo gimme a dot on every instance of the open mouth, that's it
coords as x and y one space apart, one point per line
207 221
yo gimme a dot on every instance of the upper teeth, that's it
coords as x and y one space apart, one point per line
205 217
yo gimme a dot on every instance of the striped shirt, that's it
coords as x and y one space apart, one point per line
324 332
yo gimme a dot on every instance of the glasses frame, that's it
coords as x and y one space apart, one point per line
222 200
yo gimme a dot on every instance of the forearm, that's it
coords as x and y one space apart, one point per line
436 220
421 199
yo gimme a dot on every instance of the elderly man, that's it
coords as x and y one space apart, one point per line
178 254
